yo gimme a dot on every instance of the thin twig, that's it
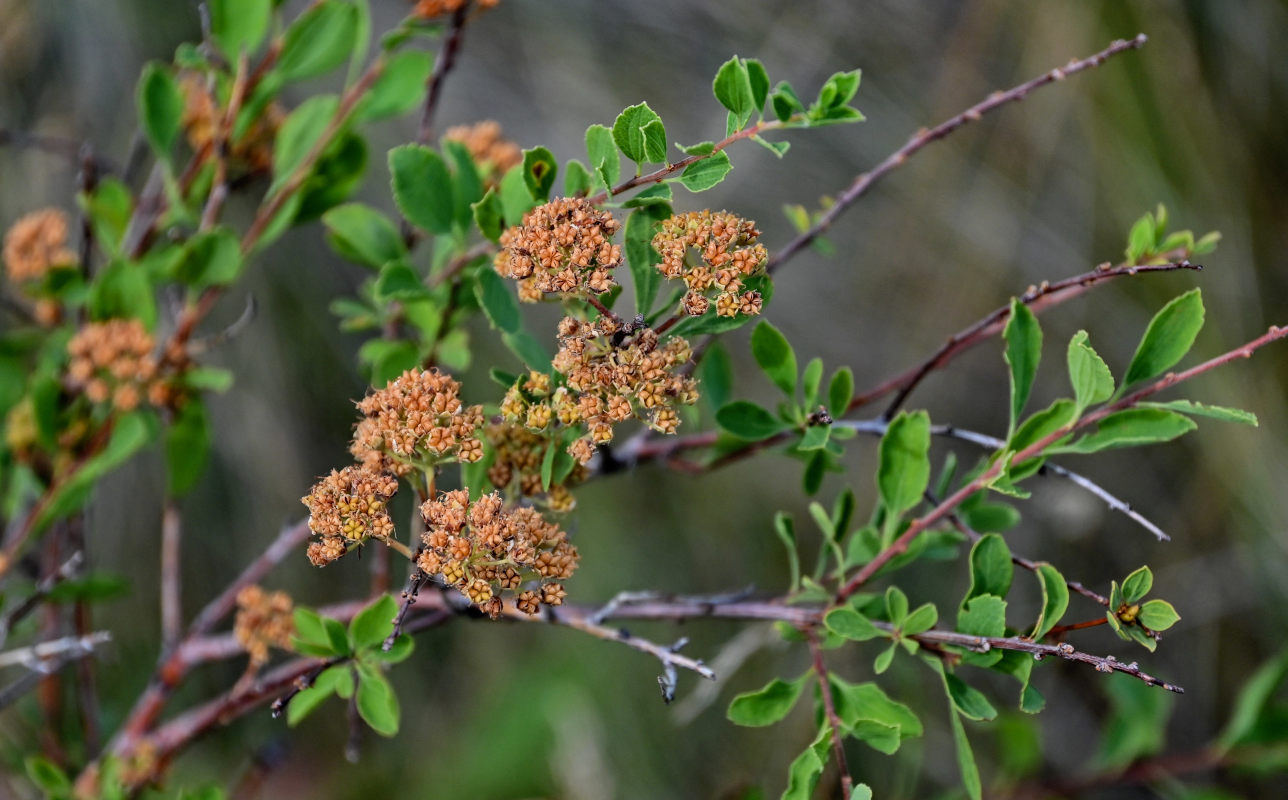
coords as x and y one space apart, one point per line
33 655
442 65
171 586
878 426
31 601
42 664
829 709
925 136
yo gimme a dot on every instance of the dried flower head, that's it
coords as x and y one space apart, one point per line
113 362
518 456
345 508
610 379
263 620
36 244
428 9
417 418
563 248
484 550
727 254
493 153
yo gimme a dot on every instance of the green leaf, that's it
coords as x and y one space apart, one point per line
659 194
747 420
528 349
786 533
577 179
318 41
866 701
1043 423
882 662
640 135
984 615
516 200
187 443
811 378
785 102
715 375
1168 338
768 704
602 154
806 768
372 624
1088 373
337 679
130 434
1055 600
122 290
896 605
1140 241
965 756
920 620
815 438
160 108
401 649
780 149
1201 410
847 622
309 627
398 281
377 703
759 80
213 258
539 168
991 570
969 701
1023 338
300 134
1129 428
732 87
399 89
775 356
640 255
422 187
497 300
338 172
707 172
1158 615
364 235
1137 585
1253 700
109 210
489 215
47 776
904 463
239 25
840 391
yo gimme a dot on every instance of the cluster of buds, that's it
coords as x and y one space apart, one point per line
562 247
36 244
483 550
727 254
518 454
263 620
346 508
428 9
416 420
493 153
202 118
114 361
608 378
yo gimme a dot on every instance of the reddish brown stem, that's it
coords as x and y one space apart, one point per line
829 709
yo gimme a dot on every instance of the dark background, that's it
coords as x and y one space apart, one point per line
1038 191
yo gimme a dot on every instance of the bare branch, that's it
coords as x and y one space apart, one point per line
829 709
29 603
171 588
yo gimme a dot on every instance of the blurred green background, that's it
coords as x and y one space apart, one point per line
1038 191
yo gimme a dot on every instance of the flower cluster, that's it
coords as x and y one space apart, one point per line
428 9
493 153
483 550
114 361
518 454
36 244
202 118
417 418
727 254
263 620
345 508
562 247
607 379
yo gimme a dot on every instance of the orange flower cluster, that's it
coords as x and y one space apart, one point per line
347 507
483 550
606 381
202 118
264 620
727 254
493 153
562 248
428 9
36 244
417 418
114 361
518 454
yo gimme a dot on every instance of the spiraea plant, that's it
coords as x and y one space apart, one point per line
646 278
